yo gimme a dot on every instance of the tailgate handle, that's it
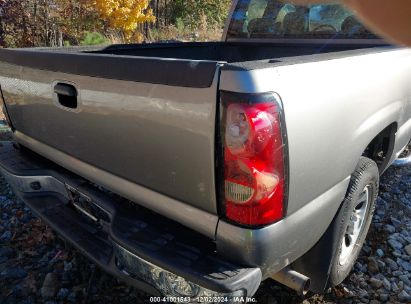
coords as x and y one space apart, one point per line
67 95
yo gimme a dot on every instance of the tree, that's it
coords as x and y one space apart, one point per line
15 23
27 23
126 16
2 43
192 12
76 18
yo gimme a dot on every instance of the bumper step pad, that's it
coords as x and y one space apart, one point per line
117 234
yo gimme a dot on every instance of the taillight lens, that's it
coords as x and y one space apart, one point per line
254 158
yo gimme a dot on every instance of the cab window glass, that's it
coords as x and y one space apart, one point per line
275 19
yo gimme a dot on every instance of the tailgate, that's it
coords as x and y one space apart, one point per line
149 121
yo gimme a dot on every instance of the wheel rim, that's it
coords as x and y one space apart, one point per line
356 224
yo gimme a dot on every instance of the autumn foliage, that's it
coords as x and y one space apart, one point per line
27 23
126 15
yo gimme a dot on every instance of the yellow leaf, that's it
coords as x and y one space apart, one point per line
125 15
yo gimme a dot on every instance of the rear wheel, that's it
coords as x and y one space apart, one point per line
353 220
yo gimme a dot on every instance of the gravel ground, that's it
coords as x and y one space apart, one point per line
37 267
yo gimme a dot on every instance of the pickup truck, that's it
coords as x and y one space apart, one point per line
198 170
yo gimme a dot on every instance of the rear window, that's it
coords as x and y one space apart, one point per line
274 19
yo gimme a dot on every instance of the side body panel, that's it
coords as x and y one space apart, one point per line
333 110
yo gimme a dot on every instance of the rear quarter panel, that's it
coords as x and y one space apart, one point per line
333 110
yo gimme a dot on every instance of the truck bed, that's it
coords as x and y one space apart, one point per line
143 123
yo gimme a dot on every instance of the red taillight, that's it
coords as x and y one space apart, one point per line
254 158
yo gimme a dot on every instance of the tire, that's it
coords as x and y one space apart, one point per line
350 226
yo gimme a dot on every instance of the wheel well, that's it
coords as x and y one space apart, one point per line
381 148
315 263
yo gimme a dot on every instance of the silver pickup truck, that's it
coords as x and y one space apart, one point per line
198 170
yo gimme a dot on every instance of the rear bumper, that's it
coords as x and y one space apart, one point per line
138 246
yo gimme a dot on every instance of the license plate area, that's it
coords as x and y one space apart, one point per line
86 206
